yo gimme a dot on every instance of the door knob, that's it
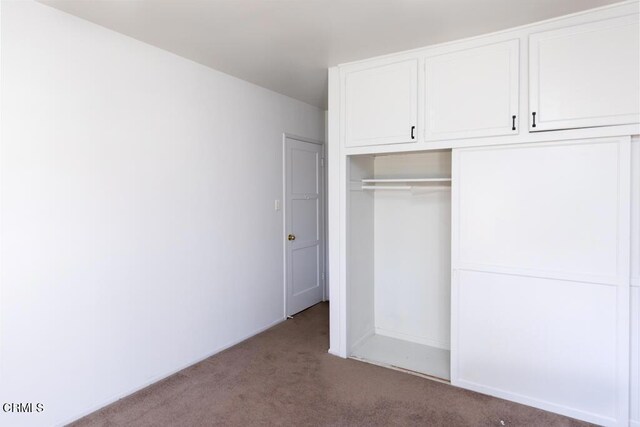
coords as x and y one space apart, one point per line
291 237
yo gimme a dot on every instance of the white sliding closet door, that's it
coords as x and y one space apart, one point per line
540 302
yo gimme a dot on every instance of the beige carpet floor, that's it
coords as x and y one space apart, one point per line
285 377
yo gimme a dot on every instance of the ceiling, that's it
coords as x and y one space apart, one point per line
287 45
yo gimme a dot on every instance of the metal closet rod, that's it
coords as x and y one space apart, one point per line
402 187
420 180
387 187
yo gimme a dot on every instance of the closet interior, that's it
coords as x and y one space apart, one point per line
399 258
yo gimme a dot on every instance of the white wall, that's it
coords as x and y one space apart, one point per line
138 233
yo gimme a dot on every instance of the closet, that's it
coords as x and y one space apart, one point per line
484 213
399 253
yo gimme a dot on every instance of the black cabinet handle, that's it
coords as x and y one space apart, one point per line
534 119
412 129
513 122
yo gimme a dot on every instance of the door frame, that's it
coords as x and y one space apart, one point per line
323 198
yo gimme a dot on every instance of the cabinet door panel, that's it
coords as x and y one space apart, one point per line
473 92
381 104
585 75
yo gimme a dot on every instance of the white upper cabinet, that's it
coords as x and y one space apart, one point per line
381 104
472 92
585 75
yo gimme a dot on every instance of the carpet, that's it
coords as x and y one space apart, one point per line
285 377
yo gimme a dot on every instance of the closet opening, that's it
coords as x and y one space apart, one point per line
399 261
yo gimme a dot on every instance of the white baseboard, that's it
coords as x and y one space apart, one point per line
540 404
334 353
168 374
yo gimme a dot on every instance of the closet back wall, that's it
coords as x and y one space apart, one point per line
138 233
413 251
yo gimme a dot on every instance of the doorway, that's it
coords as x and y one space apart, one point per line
304 236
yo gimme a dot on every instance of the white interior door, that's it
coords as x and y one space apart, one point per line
304 224
472 92
585 75
382 104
